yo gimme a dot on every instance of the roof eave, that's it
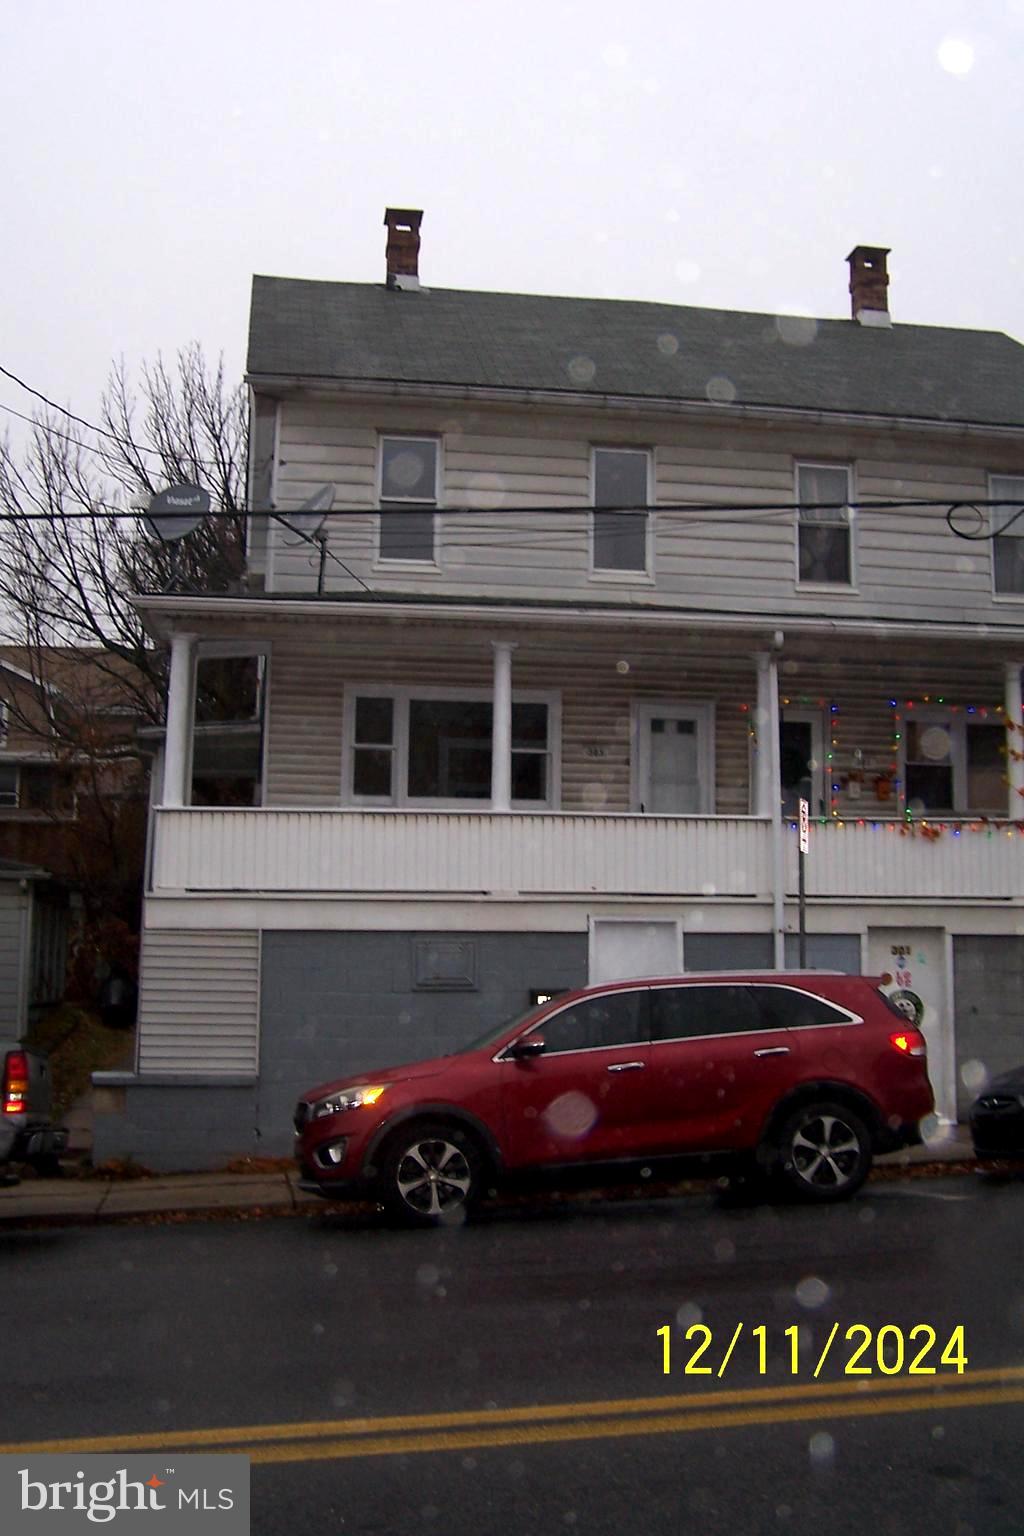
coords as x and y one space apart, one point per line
703 410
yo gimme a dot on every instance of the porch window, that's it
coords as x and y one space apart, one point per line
426 748
954 765
227 739
1008 544
408 498
824 524
621 528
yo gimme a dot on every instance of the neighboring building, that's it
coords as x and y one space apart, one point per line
480 755
71 774
34 929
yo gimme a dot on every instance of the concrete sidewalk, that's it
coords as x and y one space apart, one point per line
87 1200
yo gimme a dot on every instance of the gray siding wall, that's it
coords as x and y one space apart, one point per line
908 563
341 1003
199 1003
13 959
988 984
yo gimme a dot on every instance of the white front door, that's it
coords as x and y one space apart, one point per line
674 760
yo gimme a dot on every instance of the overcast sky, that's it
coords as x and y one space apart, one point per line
156 155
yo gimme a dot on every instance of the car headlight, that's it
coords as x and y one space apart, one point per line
347 1098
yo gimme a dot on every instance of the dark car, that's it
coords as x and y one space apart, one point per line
997 1117
802 1076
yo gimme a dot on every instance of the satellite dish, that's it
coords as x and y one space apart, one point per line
177 511
308 519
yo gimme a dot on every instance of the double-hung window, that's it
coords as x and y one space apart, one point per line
824 525
410 747
621 538
1008 526
408 499
954 765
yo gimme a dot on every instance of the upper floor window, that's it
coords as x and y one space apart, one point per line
408 498
621 530
4 722
1008 543
824 531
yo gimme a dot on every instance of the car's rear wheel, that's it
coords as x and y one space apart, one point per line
432 1174
822 1152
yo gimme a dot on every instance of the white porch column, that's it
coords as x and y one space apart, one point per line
763 759
1014 742
179 711
768 800
501 727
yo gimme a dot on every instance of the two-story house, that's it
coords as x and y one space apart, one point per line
604 589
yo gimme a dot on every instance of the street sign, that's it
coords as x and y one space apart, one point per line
805 826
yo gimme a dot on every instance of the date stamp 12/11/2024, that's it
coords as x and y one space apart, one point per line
855 1351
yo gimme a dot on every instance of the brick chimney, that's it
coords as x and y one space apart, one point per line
869 284
403 250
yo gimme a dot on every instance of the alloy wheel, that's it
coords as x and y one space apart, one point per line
433 1177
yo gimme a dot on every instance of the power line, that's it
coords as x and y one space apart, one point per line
154 453
741 513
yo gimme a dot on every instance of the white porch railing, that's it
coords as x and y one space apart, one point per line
885 862
459 852
337 852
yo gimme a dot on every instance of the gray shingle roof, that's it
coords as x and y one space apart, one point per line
323 331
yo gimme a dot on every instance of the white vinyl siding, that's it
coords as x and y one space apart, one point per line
199 1003
504 461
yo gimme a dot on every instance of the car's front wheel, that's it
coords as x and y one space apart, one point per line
822 1152
431 1174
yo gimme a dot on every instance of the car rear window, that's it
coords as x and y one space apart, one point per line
790 1008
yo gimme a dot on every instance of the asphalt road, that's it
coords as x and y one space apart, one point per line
508 1376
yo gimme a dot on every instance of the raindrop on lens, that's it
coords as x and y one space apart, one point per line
812 1292
821 1448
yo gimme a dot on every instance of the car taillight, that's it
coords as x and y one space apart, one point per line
909 1042
15 1090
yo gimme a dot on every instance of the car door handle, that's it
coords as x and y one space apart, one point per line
627 1066
774 1050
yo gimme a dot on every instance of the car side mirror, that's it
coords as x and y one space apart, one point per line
522 1050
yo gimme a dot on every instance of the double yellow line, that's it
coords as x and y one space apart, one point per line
558 1423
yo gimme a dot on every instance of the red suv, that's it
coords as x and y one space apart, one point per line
805 1076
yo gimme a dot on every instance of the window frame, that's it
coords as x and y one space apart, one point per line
958 726
850 525
230 650
15 804
408 503
993 490
402 695
603 573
